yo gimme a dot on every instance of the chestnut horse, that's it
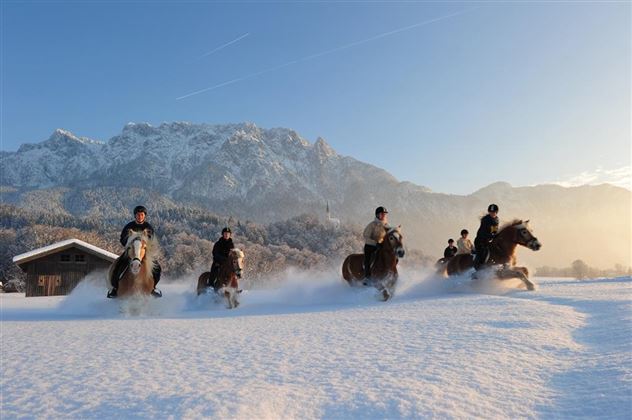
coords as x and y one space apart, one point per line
140 253
384 268
227 282
502 250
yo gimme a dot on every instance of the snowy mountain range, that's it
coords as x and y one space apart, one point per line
273 174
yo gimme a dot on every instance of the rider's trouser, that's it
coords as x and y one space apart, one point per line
482 249
369 250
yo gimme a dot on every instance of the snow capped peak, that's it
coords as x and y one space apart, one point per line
142 128
60 132
60 135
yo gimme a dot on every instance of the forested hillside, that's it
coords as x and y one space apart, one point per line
186 237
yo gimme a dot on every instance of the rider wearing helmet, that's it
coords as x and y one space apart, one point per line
463 244
486 232
137 225
221 249
374 234
450 250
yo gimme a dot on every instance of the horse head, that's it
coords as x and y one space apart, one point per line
396 240
236 257
525 236
136 249
520 233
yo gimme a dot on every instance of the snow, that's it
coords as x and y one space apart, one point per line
311 347
58 245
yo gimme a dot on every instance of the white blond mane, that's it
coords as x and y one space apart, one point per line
152 250
238 252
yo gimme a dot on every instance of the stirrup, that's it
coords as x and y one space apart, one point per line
156 293
112 293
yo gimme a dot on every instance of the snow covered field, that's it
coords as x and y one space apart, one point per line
315 348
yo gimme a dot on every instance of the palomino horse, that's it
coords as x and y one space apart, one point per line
502 250
384 268
227 282
139 256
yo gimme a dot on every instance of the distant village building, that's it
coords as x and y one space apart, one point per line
332 221
56 269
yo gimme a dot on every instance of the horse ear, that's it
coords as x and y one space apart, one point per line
526 221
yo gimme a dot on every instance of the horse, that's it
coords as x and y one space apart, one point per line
227 281
384 267
140 253
502 251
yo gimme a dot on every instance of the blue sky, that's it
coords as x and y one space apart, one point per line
450 95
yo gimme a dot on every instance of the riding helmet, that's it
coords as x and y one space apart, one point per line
380 210
140 209
492 207
464 231
226 229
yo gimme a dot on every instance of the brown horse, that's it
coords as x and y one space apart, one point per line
502 251
384 268
140 253
227 282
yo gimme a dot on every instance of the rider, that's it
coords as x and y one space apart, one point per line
221 249
463 244
137 225
486 232
374 234
450 251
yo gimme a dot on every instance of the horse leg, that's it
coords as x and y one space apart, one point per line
230 293
516 272
386 287
524 276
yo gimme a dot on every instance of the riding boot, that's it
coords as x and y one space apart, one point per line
156 272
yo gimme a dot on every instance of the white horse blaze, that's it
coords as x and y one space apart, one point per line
137 246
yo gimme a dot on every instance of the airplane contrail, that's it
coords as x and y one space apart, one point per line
322 53
224 45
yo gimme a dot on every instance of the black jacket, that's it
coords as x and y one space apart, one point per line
136 227
449 252
488 229
221 249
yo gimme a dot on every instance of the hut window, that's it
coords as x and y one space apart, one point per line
80 258
65 258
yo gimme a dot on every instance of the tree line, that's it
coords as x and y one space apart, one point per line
580 270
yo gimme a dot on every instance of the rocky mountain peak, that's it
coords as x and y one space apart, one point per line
322 148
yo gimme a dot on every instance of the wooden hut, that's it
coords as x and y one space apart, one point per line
56 269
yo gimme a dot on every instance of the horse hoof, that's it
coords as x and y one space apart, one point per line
386 295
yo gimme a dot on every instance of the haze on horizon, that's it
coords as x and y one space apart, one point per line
451 96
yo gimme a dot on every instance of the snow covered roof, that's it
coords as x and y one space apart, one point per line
60 246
